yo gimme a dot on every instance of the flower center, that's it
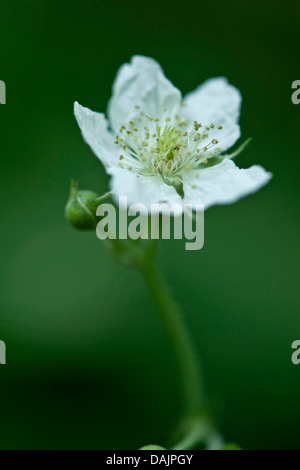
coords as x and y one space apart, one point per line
166 147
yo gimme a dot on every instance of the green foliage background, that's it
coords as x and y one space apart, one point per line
88 365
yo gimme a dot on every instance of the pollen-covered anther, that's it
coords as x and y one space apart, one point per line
197 125
181 122
147 132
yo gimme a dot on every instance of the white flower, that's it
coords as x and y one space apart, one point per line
158 148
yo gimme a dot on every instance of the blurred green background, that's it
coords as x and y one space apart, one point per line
88 364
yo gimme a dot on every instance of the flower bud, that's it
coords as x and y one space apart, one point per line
81 208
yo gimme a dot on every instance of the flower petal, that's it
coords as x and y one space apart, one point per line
141 83
95 133
213 99
140 189
217 102
224 183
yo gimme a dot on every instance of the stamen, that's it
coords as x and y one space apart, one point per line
160 146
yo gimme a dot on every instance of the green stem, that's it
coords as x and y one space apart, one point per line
186 352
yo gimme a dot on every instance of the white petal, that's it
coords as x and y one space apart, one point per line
217 102
141 83
140 189
227 136
224 183
213 99
95 133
